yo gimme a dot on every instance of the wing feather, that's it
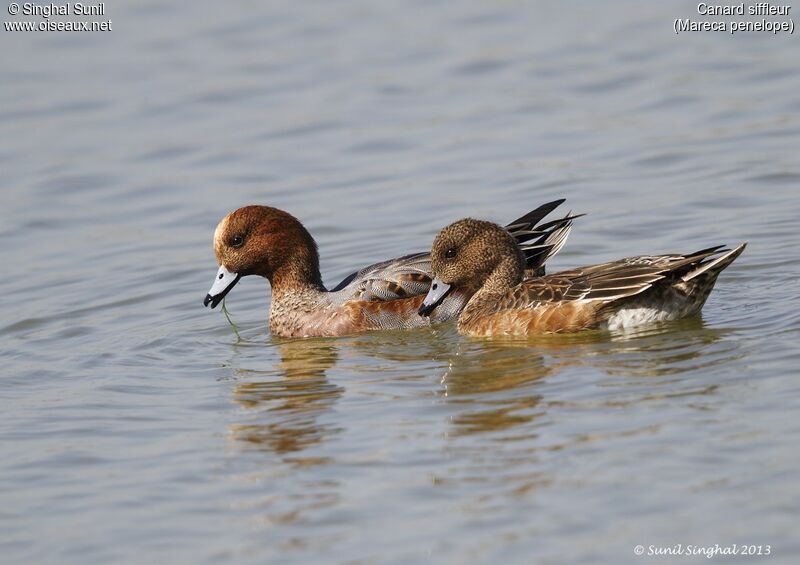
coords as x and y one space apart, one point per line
409 275
604 282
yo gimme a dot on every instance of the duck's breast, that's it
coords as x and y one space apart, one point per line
548 318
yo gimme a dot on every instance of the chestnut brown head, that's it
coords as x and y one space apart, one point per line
264 241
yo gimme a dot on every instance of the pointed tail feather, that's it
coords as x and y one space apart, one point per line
541 242
537 254
554 224
717 265
529 220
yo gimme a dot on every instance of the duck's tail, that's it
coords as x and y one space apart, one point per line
541 242
678 286
697 282
710 270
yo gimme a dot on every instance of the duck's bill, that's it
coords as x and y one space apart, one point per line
436 294
223 283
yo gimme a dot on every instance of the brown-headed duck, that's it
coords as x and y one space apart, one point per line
265 241
481 260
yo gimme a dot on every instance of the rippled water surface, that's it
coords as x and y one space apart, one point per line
136 429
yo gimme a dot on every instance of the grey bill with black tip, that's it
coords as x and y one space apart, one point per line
223 283
436 294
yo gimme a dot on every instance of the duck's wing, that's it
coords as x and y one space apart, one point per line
405 276
633 275
410 275
605 282
540 242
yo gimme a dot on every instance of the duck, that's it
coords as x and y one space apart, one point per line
271 243
481 260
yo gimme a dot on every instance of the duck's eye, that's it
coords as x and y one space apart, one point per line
450 253
237 241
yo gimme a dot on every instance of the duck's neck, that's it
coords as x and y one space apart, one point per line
506 275
300 277
296 295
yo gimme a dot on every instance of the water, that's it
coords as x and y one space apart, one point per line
135 429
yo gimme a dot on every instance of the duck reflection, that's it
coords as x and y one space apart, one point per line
498 380
670 348
497 383
288 409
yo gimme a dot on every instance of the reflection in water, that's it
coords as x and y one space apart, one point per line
501 377
496 380
514 414
288 409
509 413
405 346
499 386
483 374
521 411
670 349
659 350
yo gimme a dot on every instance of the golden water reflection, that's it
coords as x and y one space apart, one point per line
300 394
494 382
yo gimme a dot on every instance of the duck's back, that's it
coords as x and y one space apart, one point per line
614 295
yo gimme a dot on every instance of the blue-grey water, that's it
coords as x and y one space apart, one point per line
134 427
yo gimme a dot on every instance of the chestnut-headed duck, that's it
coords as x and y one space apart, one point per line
481 260
265 241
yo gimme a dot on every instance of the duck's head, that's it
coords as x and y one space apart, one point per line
264 241
465 254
